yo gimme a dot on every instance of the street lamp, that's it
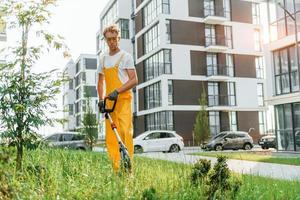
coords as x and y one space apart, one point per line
294 18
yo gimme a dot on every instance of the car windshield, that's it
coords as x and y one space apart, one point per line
219 135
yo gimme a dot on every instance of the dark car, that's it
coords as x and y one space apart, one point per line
268 141
69 140
230 140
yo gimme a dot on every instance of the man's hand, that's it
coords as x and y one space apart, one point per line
113 95
101 105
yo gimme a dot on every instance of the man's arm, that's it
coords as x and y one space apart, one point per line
100 86
132 81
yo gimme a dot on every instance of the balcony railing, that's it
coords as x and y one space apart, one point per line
217 40
221 100
218 12
219 70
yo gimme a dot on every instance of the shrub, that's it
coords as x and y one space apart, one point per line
200 170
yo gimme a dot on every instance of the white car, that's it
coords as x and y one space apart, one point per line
158 140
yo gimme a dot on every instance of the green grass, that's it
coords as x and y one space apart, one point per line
253 156
88 175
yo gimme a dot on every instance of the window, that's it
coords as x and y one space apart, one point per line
255 13
71 111
259 65
90 91
214 122
70 84
110 16
159 121
211 62
90 63
77 107
151 39
229 65
261 119
158 64
257 43
170 92
78 67
228 36
78 120
210 35
168 31
68 137
78 93
286 71
260 94
153 96
153 9
209 7
213 94
227 7
54 138
233 121
231 94
153 136
166 135
124 27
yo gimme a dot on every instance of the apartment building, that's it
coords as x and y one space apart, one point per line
185 48
283 93
116 12
81 85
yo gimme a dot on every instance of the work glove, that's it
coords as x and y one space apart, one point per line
101 106
113 95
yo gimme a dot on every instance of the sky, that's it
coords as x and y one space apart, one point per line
78 22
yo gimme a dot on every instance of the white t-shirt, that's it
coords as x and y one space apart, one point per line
110 61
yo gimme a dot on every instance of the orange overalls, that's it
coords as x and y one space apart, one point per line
121 116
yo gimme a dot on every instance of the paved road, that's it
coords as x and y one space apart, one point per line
279 171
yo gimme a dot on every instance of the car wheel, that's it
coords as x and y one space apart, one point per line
247 146
174 148
218 147
138 149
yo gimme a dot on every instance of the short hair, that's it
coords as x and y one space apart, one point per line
113 29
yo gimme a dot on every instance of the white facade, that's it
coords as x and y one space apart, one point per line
81 84
243 44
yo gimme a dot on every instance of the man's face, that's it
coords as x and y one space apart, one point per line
112 40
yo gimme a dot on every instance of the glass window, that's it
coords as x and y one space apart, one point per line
70 84
261 119
210 35
159 121
170 92
209 7
229 65
214 122
153 96
228 36
213 94
294 69
90 63
151 39
255 13
54 138
259 65
71 111
110 16
68 137
168 31
233 121
124 28
231 94
90 91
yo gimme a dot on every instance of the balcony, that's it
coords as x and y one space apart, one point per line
213 15
218 72
217 43
221 100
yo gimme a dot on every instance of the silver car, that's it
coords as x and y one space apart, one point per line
231 140
69 140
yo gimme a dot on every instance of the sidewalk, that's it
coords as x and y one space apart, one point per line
278 171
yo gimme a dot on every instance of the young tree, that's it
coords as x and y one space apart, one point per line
201 127
90 124
26 98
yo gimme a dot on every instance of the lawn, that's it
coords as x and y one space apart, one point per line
64 174
254 156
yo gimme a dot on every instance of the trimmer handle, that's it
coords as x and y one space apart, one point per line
113 107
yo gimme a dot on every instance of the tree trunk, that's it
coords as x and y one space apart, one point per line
19 156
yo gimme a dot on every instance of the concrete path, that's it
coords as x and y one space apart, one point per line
278 171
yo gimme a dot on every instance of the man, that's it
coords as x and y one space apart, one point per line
116 69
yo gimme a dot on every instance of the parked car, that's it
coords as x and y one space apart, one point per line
230 140
158 140
70 140
268 141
